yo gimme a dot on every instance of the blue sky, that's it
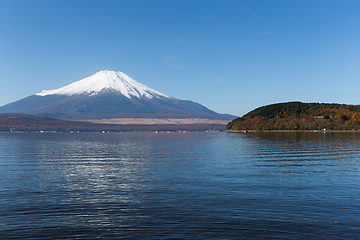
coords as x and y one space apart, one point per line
230 56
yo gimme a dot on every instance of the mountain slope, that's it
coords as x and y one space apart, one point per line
108 94
113 81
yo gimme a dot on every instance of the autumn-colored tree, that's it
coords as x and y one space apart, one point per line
356 117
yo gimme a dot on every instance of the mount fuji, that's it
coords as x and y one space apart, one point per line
108 94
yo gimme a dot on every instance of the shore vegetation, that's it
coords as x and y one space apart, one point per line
299 116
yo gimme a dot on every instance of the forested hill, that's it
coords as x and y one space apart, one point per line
299 116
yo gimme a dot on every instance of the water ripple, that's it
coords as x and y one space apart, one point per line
179 186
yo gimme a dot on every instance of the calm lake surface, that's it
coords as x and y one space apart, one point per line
179 185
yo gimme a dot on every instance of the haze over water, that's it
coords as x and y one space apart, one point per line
179 185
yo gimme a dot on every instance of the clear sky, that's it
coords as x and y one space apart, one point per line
230 56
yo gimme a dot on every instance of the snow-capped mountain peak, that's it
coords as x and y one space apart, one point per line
115 81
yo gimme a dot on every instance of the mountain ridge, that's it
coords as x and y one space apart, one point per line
108 94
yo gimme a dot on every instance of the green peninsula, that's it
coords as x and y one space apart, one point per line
299 116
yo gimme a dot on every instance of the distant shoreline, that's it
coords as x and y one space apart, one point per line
15 122
157 121
293 131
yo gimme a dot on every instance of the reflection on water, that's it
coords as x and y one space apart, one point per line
179 185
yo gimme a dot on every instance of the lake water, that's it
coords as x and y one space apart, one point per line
179 185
